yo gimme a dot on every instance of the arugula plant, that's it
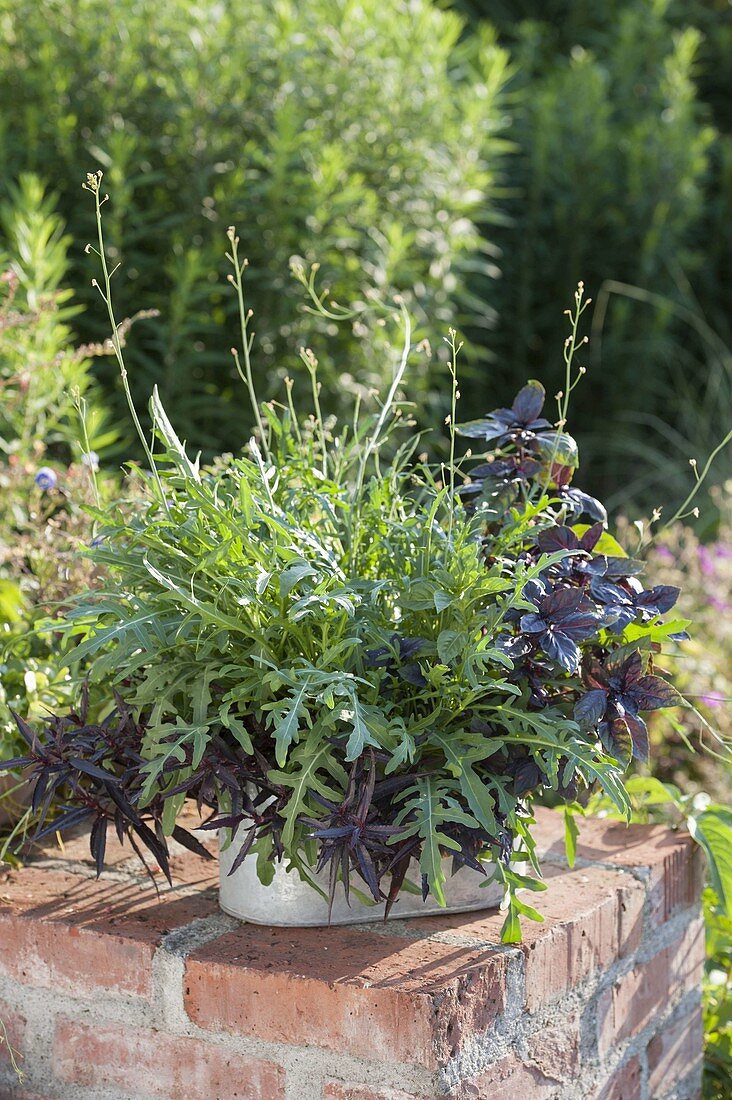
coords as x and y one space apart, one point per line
349 658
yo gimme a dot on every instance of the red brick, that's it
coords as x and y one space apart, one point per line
649 990
12 1031
590 916
508 1079
631 901
555 1051
358 992
69 932
18 1092
149 1063
335 1090
73 856
675 1053
625 1084
672 861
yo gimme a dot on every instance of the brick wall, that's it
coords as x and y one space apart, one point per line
110 992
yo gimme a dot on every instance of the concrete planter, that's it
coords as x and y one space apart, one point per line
290 902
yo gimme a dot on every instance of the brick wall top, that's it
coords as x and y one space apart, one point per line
113 991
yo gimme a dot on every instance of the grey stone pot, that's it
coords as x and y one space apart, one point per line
290 902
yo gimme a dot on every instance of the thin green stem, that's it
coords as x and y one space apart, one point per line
682 512
289 383
93 184
246 340
368 450
570 347
311 364
454 395
81 408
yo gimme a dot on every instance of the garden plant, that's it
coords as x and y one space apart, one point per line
352 658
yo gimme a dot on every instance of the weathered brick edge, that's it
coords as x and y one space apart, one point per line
600 1003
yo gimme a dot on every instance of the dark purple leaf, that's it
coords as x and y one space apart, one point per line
590 708
192 843
228 822
26 732
617 740
558 538
580 626
658 600
582 504
630 670
591 537
412 674
561 649
639 736
528 777
368 872
528 403
155 847
16 762
91 769
68 820
243 851
531 623
623 567
562 602
653 693
98 843
486 429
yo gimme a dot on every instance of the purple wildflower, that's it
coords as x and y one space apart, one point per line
706 563
46 478
90 459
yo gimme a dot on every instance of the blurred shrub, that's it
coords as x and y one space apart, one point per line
717 1000
620 175
45 480
41 373
360 136
43 533
702 666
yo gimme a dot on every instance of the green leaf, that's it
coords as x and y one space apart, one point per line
430 860
712 829
235 726
404 752
361 734
656 632
428 808
293 575
477 794
306 761
442 601
511 929
450 644
285 718
11 601
571 832
525 882
527 910
176 450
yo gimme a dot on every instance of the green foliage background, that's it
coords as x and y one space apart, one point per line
622 175
360 136
480 160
